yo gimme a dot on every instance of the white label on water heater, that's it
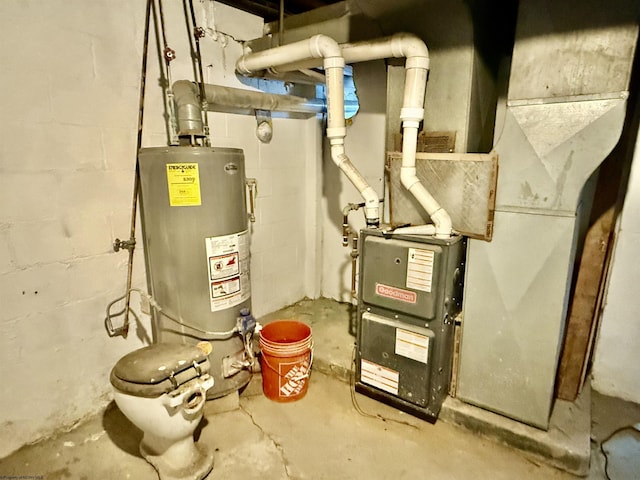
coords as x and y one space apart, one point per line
420 269
228 267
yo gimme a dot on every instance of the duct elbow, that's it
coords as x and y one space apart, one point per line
188 108
185 92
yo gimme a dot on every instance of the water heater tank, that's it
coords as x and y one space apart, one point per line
196 244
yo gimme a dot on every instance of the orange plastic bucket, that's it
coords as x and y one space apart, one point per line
287 354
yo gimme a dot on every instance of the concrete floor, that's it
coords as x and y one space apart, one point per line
323 436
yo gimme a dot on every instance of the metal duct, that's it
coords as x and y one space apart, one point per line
233 100
565 111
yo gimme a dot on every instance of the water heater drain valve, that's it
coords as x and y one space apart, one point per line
246 323
246 326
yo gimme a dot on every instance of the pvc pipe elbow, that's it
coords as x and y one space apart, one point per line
322 46
318 46
412 48
442 222
408 177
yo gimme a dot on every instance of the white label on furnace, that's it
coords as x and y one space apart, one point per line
228 267
420 269
412 345
378 376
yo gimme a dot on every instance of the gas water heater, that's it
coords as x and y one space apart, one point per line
410 293
196 243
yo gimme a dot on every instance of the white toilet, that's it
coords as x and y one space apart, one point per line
162 389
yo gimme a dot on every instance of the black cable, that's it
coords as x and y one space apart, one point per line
352 385
613 434
354 400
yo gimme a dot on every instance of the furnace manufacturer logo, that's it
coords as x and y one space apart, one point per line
396 293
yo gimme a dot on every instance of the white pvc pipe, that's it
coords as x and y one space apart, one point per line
428 229
316 47
411 114
400 45
441 221
303 54
407 46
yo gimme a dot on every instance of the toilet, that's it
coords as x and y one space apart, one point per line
162 389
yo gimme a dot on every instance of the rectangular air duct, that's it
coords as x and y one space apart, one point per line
565 111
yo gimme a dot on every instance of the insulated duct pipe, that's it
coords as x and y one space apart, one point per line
221 98
327 49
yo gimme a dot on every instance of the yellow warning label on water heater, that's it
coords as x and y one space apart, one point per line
183 181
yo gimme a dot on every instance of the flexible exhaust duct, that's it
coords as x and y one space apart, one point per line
327 49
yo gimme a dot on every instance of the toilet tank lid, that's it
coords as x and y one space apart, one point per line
159 368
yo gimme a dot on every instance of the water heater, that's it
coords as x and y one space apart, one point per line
196 243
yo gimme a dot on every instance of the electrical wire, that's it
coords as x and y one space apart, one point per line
354 400
613 434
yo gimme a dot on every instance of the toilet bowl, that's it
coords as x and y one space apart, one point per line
162 389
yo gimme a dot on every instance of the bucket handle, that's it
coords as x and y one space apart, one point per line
297 377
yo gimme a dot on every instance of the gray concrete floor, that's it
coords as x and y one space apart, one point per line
322 436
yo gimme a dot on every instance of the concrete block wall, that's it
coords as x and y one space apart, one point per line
67 154
65 190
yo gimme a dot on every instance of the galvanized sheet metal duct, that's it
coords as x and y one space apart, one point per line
565 113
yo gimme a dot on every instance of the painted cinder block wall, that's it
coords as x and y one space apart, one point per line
68 130
68 117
